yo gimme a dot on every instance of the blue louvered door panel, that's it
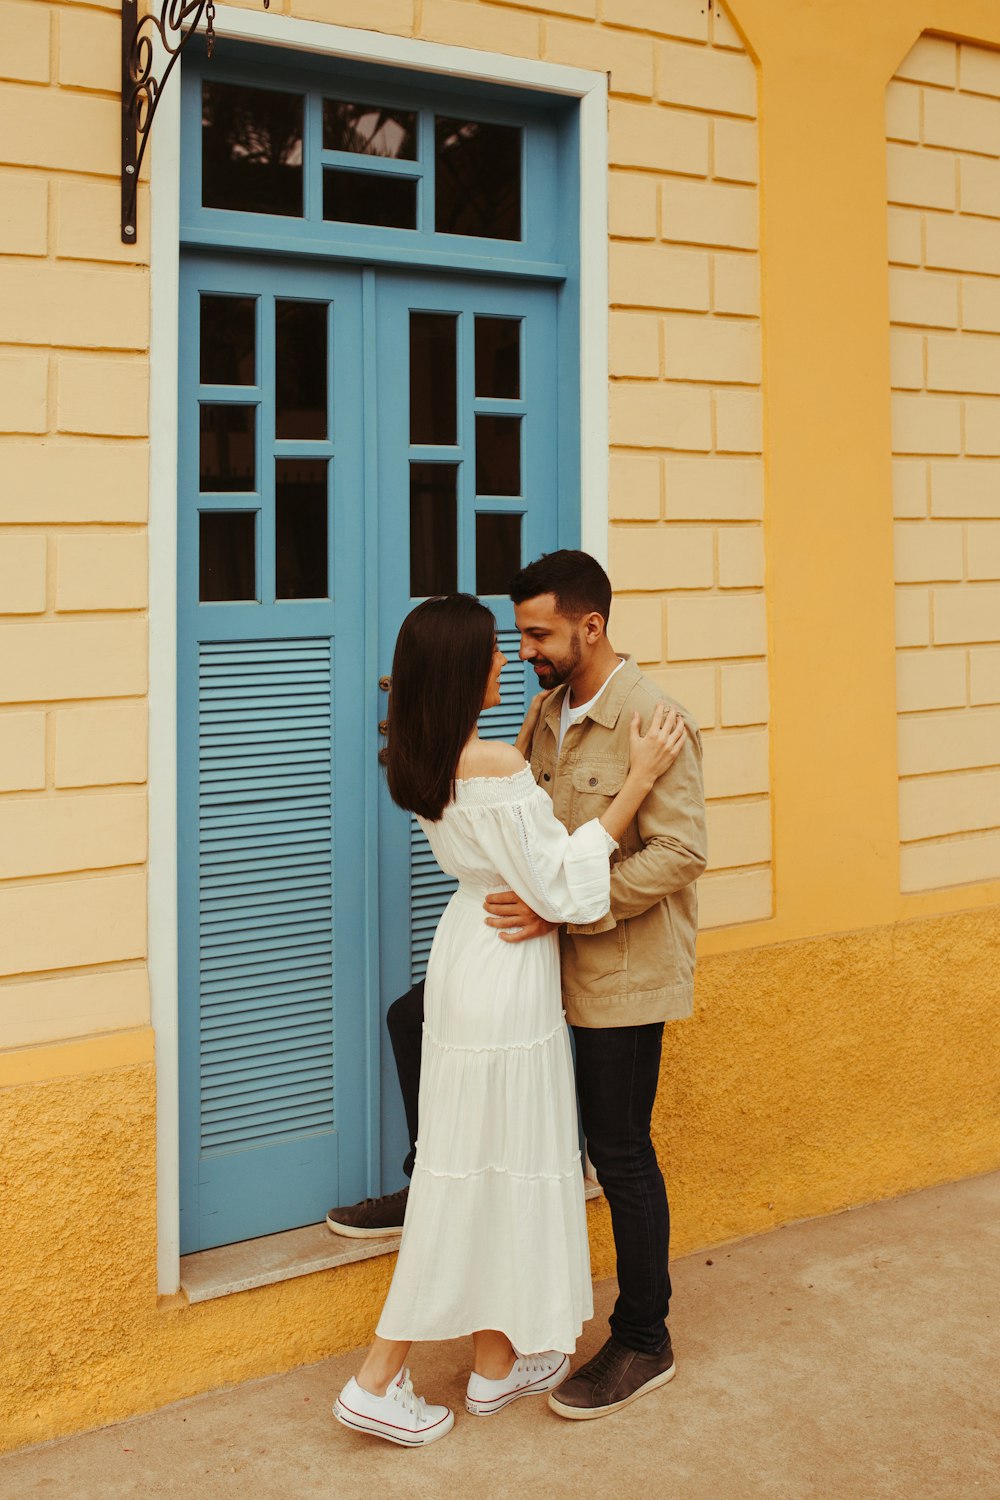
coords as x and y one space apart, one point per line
430 888
275 1121
266 876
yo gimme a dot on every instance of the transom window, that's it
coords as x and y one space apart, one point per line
310 155
395 168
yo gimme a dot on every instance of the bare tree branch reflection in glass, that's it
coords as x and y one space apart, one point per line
369 130
477 179
251 149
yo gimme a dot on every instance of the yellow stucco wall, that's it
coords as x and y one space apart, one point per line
845 1038
816 1074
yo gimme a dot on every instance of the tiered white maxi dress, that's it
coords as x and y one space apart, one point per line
495 1232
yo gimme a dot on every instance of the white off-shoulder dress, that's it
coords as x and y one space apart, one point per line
495 1233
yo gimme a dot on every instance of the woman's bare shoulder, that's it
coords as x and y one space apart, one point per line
490 758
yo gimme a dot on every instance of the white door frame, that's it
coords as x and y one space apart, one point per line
350 45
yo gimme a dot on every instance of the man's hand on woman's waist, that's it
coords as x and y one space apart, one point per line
514 918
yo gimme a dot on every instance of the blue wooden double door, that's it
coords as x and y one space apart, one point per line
352 439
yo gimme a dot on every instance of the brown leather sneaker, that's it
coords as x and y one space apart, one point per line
614 1377
374 1219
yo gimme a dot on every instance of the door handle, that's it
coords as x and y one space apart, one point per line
385 683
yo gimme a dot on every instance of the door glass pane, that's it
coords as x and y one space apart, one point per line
498 455
370 198
433 389
477 179
433 529
228 340
498 357
227 547
369 129
251 149
300 528
300 393
228 435
498 552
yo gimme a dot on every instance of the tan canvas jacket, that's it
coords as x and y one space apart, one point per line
636 965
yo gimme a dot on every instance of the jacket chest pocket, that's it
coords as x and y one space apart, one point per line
594 788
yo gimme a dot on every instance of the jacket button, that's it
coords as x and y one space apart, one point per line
546 776
592 781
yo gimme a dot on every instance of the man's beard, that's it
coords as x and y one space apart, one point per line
553 674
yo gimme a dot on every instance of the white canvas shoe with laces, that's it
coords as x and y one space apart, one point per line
399 1416
530 1375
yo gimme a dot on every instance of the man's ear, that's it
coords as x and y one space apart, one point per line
594 626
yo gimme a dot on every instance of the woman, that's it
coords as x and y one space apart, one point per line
495 1240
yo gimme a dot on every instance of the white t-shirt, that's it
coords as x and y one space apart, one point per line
574 715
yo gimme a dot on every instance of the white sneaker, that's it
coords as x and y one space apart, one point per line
399 1416
531 1375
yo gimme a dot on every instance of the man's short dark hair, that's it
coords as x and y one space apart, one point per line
579 583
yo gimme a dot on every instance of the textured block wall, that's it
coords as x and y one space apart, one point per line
686 547
686 496
73 460
686 492
943 127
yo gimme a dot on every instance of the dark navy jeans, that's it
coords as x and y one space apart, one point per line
617 1069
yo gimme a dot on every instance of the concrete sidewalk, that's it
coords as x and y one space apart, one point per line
845 1358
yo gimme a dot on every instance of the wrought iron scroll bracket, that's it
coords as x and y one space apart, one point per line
173 28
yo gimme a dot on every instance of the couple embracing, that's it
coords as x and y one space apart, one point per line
582 843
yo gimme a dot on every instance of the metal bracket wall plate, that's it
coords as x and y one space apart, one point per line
172 29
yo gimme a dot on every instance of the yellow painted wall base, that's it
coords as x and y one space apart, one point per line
824 1073
814 1075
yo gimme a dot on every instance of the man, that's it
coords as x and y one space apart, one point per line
622 977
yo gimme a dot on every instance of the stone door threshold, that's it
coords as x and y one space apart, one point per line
279 1257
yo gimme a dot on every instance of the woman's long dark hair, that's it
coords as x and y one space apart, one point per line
440 669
